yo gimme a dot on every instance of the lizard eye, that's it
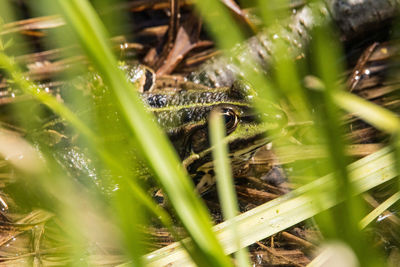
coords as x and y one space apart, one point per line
231 119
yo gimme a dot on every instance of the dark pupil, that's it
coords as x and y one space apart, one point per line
230 119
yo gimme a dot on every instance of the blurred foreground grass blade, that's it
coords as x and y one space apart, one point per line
226 33
346 215
225 185
375 115
290 209
152 141
285 70
218 21
335 254
30 88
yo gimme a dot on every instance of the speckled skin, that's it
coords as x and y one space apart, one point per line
183 114
189 106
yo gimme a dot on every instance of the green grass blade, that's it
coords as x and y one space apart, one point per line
154 145
346 215
375 115
225 186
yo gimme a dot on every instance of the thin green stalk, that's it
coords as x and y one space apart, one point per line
225 185
346 216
